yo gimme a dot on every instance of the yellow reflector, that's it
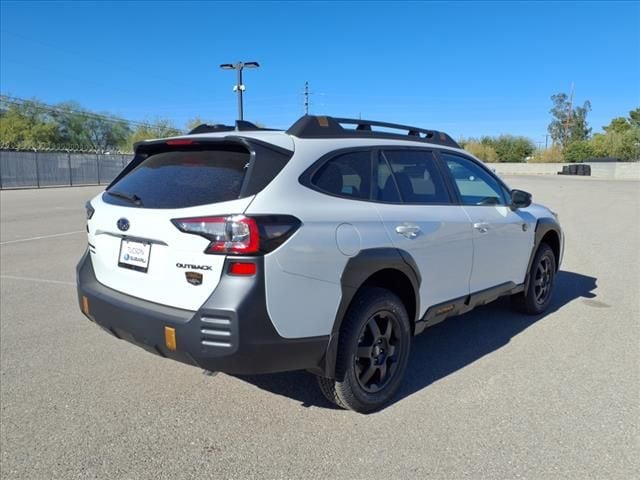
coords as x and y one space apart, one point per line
85 305
170 338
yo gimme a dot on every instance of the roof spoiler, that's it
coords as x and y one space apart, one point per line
240 126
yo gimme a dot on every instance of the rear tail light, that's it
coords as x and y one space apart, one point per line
234 234
240 235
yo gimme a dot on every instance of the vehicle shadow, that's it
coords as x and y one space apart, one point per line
443 348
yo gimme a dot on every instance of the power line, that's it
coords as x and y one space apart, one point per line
6 99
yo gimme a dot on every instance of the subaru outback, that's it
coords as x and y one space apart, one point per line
323 248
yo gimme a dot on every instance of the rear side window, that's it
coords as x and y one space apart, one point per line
184 178
347 175
415 176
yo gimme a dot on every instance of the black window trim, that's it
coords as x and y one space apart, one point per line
306 177
375 151
436 160
248 143
451 180
380 156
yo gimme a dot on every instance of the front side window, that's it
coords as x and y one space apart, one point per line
412 175
348 175
475 185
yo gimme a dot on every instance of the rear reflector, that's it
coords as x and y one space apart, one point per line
242 268
170 338
85 305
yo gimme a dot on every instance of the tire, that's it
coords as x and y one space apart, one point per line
541 281
373 352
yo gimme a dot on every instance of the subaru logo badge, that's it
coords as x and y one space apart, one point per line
123 224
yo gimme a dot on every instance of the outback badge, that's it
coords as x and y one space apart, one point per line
194 278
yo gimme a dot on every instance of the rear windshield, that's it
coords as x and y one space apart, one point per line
182 178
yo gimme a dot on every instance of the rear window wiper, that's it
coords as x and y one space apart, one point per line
131 197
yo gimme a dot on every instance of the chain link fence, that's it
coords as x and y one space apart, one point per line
37 168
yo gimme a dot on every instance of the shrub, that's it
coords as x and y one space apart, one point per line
623 145
578 151
550 155
510 148
486 153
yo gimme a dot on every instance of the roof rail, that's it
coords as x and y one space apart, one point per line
240 126
312 126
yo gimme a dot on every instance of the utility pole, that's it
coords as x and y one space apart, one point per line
239 87
569 115
306 98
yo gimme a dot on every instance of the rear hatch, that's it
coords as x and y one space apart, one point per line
136 246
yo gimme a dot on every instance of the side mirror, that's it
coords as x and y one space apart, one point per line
520 199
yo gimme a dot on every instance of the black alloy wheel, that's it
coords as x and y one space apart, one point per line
376 359
543 279
373 352
540 283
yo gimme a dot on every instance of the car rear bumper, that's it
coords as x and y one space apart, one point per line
231 332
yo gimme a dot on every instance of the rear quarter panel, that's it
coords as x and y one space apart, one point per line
303 275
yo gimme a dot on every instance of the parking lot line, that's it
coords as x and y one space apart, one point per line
40 280
42 237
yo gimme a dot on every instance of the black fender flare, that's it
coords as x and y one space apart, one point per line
543 226
356 272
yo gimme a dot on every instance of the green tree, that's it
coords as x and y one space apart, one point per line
569 124
26 126
104 135
578 151
624 146
579 129
32 124
621 138
78 126
634 117
159 128
619 125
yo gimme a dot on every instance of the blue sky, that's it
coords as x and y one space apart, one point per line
467 68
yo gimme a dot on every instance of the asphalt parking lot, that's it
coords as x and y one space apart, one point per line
491 394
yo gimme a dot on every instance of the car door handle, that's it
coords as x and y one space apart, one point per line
482 227
408 230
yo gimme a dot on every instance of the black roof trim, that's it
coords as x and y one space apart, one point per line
313 126
240 126
204 128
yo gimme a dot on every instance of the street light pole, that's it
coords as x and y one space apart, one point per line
239 87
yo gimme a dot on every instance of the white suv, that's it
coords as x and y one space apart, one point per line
324 247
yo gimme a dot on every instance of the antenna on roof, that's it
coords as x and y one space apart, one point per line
306 98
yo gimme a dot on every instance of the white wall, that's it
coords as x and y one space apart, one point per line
617 170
